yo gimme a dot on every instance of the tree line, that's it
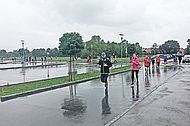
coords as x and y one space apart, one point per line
72 44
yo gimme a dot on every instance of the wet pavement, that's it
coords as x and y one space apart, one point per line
169 105
84 104
11 76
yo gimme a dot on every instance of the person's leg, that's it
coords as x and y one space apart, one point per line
132 84
137 83
133 76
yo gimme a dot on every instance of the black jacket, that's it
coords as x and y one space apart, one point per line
105 69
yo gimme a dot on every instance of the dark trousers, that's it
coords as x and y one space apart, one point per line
158 63
133 75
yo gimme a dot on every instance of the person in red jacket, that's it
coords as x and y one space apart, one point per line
147 62
135 69
158 61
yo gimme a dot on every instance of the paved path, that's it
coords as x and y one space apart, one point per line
169 105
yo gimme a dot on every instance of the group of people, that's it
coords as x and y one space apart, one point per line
104 64
147 62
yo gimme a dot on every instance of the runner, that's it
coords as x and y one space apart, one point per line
158 61
104 64
147 62
165 59
115 59
135 69
153 61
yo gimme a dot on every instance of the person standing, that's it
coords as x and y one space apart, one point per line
180 55
153 61
165 59
158 61
135 70
104 65
147 62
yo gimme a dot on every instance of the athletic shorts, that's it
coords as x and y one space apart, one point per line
104 77
165 61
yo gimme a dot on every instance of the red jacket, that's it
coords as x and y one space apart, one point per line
147 61
158 59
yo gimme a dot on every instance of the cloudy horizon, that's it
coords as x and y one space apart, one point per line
42 22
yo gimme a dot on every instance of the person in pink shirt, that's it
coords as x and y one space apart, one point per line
135 69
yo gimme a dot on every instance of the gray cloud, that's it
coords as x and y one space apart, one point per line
42 22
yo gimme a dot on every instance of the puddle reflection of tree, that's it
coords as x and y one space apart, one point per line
105 106
74 105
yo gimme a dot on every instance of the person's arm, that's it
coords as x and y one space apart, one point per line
99 63
109 64
136 62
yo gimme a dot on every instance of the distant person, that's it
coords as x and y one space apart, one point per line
131 58
42 59
153 61
180 55
175 58
158 61
88 59
45 59
76 58
104 65
51 58
135 70
115 59
165 59
30 59
147 62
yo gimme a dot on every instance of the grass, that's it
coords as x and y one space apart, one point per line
80 60
20 88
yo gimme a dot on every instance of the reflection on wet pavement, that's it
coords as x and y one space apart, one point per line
83 104
11 76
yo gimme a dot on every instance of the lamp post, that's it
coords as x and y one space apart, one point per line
23 51
121 35
48 64
91 53
126 51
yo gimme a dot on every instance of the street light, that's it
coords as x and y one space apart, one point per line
121 46
126 50
91 53
23 51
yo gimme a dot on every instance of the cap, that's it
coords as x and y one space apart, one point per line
103 53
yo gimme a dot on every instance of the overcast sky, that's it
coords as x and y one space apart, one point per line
42 22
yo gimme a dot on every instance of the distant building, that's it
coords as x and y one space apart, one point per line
181 49
147 50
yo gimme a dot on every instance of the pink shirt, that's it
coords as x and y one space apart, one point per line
135 64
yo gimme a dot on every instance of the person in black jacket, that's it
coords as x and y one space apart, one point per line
104 65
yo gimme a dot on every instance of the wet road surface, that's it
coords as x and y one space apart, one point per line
83 104
169 105
11 76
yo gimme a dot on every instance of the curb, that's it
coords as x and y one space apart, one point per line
9 97
139 101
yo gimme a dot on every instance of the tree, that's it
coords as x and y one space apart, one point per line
187 50
26 52
170 47
131 49
155 48
71 43
3 53
54 52
39 52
